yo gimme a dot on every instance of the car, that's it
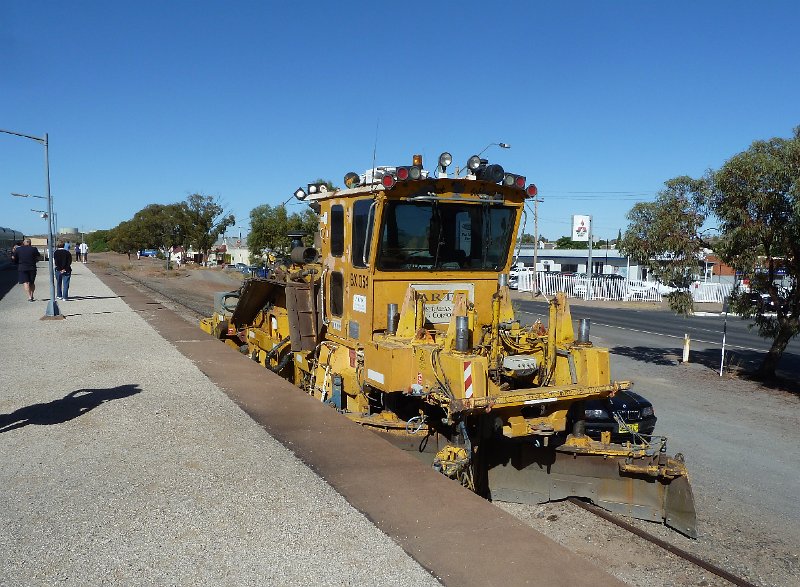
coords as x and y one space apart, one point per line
241 266
148 253
762 301
641 291
636 411
256 271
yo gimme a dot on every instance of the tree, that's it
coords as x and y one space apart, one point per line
755 198
158 226
270 225
566 242
98 240
666 237
123 239
202 220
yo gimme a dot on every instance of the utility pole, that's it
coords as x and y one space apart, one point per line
588 295
535 291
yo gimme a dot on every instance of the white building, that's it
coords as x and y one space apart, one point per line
604 261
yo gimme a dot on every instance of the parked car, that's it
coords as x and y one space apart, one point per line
762 301
241 267
256 271
148 253
636 411
641 291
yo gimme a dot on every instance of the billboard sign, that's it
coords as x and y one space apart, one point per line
581 228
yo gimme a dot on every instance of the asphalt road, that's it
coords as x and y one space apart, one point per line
657 336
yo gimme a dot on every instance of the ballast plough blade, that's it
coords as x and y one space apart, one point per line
635 481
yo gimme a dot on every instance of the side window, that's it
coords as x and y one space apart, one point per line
337 230
337 293
361 233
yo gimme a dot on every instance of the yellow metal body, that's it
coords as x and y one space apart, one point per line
413 372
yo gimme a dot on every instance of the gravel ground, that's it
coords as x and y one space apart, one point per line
121 464
740 442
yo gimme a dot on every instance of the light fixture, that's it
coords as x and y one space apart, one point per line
300 194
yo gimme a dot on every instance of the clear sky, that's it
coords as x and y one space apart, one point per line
148 101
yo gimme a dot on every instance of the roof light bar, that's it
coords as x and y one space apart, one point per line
410 172
513 180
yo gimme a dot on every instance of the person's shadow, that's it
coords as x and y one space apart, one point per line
70 406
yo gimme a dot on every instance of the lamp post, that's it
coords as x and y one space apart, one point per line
501 145
52 311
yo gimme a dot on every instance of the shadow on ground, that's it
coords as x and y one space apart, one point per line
8 279
741 363
72 405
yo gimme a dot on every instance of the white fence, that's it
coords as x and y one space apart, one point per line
612 287
710 292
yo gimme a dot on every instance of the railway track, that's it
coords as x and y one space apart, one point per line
192 312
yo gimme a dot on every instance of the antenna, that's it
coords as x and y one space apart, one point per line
374 154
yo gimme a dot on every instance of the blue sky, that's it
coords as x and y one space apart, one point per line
149 101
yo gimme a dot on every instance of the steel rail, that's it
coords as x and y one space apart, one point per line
679 552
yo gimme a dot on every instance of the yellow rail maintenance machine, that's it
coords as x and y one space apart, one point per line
401 319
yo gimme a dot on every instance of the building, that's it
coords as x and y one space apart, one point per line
613 262
604 261
231 250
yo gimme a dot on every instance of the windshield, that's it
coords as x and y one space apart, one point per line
444 235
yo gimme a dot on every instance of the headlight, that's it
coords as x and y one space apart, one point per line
647 411
595 414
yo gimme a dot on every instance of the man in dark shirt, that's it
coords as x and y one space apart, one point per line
63 267
25 258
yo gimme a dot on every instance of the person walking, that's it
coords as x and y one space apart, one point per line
77 253
63 265
84 252
25 258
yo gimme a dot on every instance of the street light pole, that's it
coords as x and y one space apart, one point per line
52 311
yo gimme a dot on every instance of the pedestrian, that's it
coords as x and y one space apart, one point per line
77 253
25 258
63 266
84 252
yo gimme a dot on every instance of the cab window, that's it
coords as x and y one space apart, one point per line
361 232
337 230
337 293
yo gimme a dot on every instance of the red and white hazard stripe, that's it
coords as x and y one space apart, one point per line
467 379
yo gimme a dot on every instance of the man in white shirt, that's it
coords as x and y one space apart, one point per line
84 249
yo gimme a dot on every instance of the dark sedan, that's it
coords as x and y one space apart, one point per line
635 411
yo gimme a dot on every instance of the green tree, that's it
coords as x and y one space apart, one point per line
202 219
566 242
270 225
268 228
157 226
98 240
665 236
755 199
122 238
